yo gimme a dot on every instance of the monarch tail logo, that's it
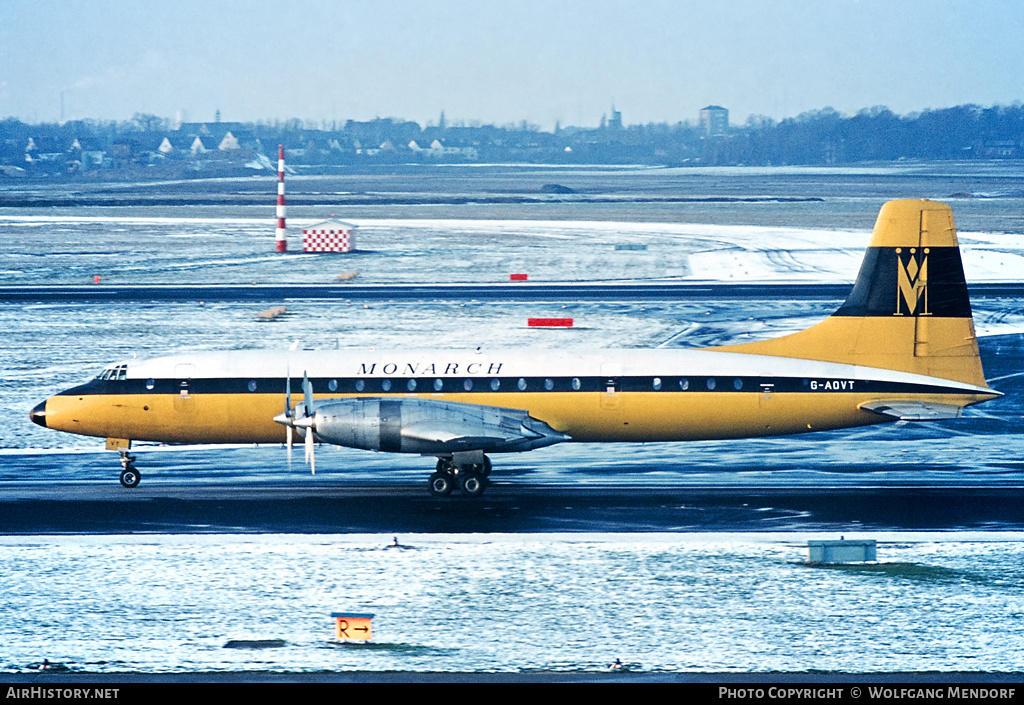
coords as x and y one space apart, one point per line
911 282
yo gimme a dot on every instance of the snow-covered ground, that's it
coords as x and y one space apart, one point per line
131 249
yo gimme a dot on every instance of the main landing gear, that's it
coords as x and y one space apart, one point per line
466 471
130 476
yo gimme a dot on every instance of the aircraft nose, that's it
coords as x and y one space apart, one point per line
38 414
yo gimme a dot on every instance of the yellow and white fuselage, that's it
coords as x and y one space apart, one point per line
608 395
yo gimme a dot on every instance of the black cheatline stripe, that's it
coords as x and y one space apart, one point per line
484 385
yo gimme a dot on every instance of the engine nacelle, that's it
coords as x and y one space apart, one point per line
429 426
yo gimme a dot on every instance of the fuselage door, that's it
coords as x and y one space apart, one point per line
765 394
610 374
183 401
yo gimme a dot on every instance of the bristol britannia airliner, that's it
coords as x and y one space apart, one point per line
902 347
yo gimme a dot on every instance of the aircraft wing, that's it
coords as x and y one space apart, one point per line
914 410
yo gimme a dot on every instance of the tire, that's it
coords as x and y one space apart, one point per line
440 484
130 477
472 485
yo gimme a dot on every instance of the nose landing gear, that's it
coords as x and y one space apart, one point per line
130 476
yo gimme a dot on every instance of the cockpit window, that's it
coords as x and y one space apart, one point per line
118 373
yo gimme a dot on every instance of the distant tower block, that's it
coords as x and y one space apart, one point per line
329 236
715 120
282 240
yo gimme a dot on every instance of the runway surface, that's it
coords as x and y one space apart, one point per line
344 508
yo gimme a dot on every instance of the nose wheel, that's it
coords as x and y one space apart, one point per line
468 477
130 476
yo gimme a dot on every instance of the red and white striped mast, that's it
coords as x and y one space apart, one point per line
282 241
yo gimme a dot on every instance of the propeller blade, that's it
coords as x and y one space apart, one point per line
289 412
307 394
310 455
307 397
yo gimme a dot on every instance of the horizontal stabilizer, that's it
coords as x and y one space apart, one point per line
914 410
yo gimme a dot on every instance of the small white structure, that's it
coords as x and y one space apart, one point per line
856 551
329 236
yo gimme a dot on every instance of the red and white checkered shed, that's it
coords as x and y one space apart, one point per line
327 240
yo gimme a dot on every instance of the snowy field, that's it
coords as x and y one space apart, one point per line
662 603
45 249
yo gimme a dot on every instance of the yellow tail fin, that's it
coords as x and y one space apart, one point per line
909 309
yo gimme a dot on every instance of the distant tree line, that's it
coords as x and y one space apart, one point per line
151 145
877 134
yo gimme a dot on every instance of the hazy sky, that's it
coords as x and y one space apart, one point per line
503 62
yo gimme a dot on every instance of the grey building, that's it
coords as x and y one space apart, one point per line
715 120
